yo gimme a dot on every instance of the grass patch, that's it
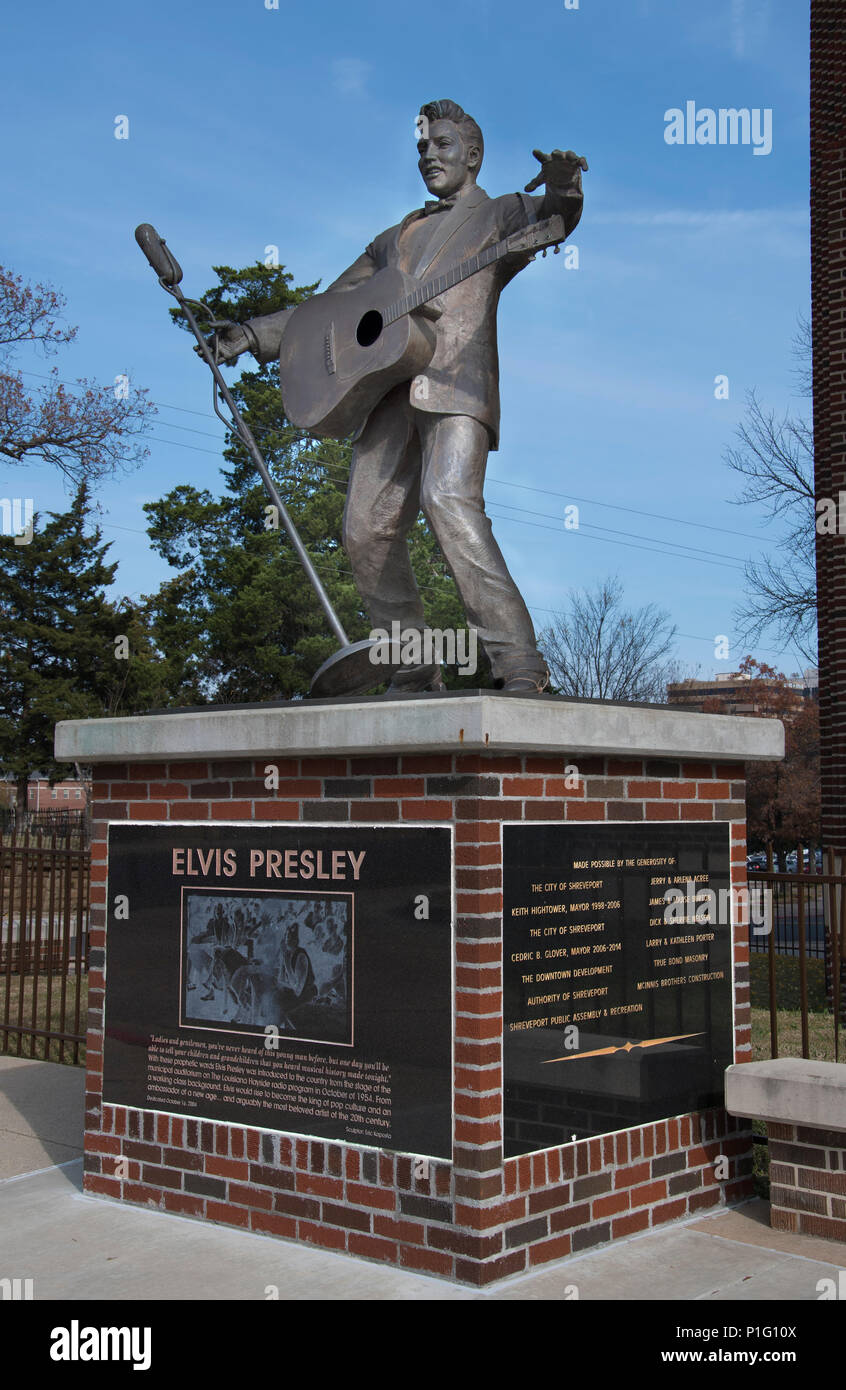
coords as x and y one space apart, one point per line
820 1035
44 1049
820 1047
788 1012
787 983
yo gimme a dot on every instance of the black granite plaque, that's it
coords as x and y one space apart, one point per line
617 1004
290 978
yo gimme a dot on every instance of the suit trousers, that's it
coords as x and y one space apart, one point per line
407 460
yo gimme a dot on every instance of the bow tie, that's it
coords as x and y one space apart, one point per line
438 205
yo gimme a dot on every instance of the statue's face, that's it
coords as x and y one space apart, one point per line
443 162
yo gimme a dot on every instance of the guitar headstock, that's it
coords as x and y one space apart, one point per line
529 240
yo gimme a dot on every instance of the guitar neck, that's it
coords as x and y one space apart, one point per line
430 289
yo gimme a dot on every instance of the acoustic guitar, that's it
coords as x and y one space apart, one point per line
344 350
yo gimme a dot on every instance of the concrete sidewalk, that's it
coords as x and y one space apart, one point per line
78 1247
42 1109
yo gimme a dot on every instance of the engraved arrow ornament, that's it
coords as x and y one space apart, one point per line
624 1047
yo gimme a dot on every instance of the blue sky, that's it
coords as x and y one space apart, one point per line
251 127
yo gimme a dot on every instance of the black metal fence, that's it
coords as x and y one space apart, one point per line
60 821
801 915
44 944
63 820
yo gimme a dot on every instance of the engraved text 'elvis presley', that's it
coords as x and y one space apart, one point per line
337 865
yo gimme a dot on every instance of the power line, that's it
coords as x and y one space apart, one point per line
612 531
630 545
696 554
502 482
260 432
524 487
676 553
634 511
424 588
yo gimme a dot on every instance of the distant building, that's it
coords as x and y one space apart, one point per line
733 690
70 795
63 796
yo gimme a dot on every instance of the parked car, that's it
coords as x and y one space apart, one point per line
792 860
758 860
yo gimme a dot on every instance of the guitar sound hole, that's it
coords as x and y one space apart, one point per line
369 328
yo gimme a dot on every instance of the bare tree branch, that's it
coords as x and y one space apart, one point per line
30 314
801 351
88 432
775 458
598 649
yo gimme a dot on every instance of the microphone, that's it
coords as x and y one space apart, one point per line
164 263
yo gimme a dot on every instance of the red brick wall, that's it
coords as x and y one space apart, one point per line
478 1218
828 301
808 1180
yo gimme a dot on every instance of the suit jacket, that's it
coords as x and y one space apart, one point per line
463 375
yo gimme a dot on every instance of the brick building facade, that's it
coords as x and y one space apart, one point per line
828 302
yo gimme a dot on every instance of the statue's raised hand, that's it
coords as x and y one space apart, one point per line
561 170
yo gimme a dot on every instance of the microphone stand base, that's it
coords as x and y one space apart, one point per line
351 671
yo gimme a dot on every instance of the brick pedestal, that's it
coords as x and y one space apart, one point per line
479 1217
808 1180
803 1104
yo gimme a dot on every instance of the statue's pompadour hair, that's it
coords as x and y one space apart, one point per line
451 111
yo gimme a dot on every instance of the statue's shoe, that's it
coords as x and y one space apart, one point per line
416 678
523 682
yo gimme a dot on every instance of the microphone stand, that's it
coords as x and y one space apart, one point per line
349 671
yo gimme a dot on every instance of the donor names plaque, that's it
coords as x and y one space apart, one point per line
293 978
617 977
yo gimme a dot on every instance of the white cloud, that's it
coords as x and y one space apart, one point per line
712 219
749 25
349 76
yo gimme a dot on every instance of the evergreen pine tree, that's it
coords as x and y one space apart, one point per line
66 651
